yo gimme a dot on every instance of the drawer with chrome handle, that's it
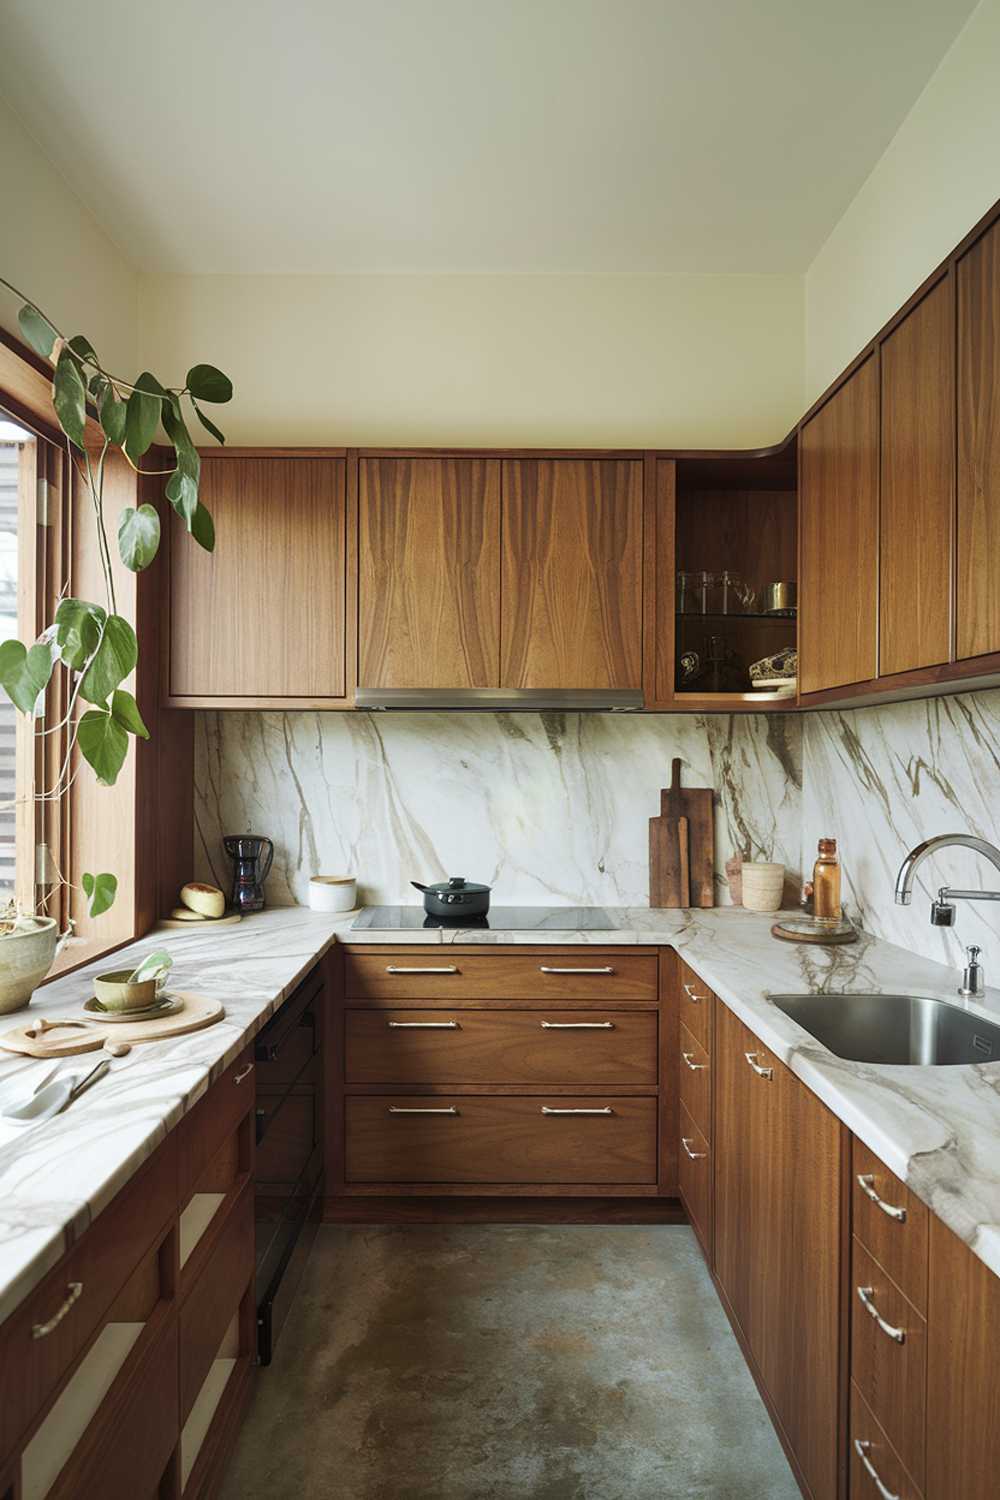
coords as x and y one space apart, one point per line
695 1003
423 1025
423 1109
689 1062
551 1110
866 1182
551 969
425 969
501 974
876 1469
892 1224
889 1360
687 1142
695 1081
578 1025
762 1072
865 1296
863 1448
74 1291
693 995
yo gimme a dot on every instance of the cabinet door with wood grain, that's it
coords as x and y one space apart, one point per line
978 612
571 579
918 485
429 572
263 617
742 1132
838 581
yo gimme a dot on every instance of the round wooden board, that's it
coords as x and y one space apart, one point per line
178 923
69 1037
824 939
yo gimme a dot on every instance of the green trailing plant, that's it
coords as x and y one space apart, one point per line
92 643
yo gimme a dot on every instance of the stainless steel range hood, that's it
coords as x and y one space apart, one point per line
504 700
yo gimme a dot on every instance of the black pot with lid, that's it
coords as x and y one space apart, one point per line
454 898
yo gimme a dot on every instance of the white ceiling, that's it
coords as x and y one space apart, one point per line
316 136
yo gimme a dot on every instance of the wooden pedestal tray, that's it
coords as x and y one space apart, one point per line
45 1038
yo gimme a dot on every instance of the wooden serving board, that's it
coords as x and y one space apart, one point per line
669 862
180 925
695 804
75 1035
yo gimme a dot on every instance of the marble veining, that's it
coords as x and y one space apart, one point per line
937 1128
883 779
548 809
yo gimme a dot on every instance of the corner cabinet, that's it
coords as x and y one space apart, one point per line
263 620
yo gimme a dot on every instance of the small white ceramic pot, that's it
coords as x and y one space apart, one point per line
333 892
763 886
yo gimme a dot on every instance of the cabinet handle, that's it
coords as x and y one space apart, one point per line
423 1025
548 969
692 996
578 1025
866 1293
751 1058
689 1059
694 1155
409 1109
398 969
866 1182
862 1449
606 1110
243 1073
74 1292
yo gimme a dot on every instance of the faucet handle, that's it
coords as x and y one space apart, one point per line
972 953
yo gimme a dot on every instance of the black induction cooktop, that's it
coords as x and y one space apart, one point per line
500 919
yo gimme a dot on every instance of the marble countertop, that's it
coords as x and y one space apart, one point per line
937 1128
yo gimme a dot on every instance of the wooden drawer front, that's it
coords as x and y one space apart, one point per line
892 1229
694 1172
511 1140
890 1374
214 1298
695 1004
501 1046
695 1085
217 1115
435 973
867 1436
44 1336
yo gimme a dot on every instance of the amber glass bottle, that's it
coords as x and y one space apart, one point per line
826 884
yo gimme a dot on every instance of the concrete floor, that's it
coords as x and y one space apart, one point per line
494 1362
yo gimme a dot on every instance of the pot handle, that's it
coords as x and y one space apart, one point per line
417 886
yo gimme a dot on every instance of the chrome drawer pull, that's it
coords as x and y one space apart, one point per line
751 1058
866 1182
694 1155
862 1449
692 996
410 1109
689 1059
398 969
74 1293
607 1110
866 1293
423 1025
547 969
578 1025
243 1073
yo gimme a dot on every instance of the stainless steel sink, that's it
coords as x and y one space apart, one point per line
894 1028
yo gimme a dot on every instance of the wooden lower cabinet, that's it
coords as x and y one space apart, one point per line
694 1171
779 1158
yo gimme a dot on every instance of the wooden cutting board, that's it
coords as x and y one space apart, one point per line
695 804
74 1035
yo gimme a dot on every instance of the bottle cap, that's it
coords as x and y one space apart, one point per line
828 846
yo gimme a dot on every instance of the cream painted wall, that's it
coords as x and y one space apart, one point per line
630 360
53 250
940 173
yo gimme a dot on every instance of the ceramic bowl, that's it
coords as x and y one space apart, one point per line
116 994
27 949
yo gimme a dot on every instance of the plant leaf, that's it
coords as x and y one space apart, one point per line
83 347
182 492
100 891
209 384
78 631
158 962
188 460
114 415
69 397
138 536
125 711
202 528
37 330
103 744
24 675
207 423
116 657
142 416
96 385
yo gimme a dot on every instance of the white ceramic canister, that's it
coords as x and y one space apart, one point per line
333 892
763 886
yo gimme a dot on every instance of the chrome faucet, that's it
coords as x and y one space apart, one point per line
943 907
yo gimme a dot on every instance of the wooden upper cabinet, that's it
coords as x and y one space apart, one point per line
978 612
918 485
571 575
429 572
838 585
264 616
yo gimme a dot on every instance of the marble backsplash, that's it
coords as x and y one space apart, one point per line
881 780
545 808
